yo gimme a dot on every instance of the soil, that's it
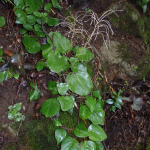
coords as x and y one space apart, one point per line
126 129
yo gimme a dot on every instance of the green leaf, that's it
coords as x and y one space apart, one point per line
51 85
29 41
38 31
10 116
99 145
81 131
16 76
32 4
119 100
23 31
55 4
83 54
84 112
56 62
21 16
113 108
46 49
109 101
31 19
34 49
96 133
74 64
56 123
97 117
40 65
28 27
79 83
50 107
32 85
66 102
97 94
88 145
28 10
2 21
48 7
17 106
69 144
62 44
91 103
62 88
1 77
117 105
1 52
34 94
19 3
60 135
52 21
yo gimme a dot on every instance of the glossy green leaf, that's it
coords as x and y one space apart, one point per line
34 94
60 135
29 41
16 76
56 123
2 21
70 111
55 4
117 105
69 144
34 49
81 130
48 7
19 3
62 44
97 94
97 117
21 16
66 102
40 65
84 112
62 88
109 101
79 83
88 145
32 19
83 54
56 62
99 105
99 145
52 21
28 10
96 133
32 85
1 52
1 77
50 107
119 100
17 106
10 116
46 49
23 31
91 103
28 27
113 108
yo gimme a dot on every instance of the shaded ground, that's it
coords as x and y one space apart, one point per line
125 129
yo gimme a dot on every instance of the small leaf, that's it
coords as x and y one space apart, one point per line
81 130
96 133
88 145
62 88
60 135
48 7
1 77
83 54
52 21
34 94
28 27
1 52
99 145
17 106
84 112
113 108
2 21
29 41
21 16
51 85
46 49
55 4
23 31
40 65
16 76
74 64
119 100
32 85
91 103
69 144
66 102
34 49
19 3
10 116
31 19
56 123
97 94
50 107
109 101
117 105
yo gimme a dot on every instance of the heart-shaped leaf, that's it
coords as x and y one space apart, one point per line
66 102
62 88
79 83
83 54
60 135
81 130
88 145
69 144
96 133
50 107
84 112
